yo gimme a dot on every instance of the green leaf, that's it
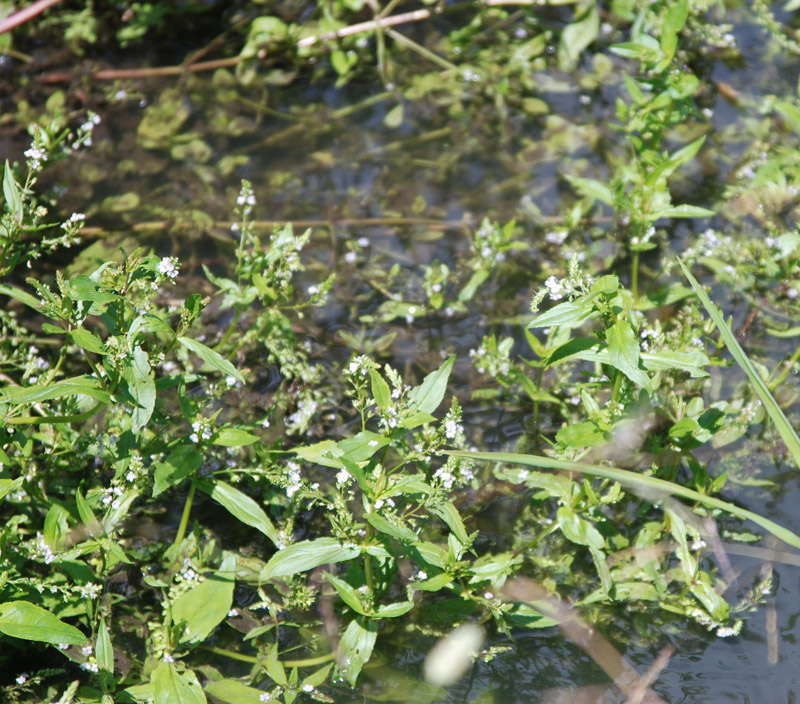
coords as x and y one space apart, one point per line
649 487
241 506
681 211
450 515
592 188
579 435
306 555
182 461
429 394
623 353
21 619
234 692
678 158
380 390
394 610
576 37
21 296
139 693
12 194
86 514
9 485
75 386
103 649
324 453
394 118
87 340
674 21
207 604
355 648
142 387
578 530
275 668
210 357
415 420
431 553
362 446
396 530
775 412
790 114
173 687
567 314
347 594
233 437
692 362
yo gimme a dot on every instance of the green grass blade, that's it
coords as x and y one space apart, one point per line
651 487
786 431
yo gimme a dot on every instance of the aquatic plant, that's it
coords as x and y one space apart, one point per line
210 491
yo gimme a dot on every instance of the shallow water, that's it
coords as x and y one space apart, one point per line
354 177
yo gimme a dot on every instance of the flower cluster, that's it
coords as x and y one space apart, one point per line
493 357
246 199
203 429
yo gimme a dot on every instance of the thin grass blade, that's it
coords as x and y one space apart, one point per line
786 431
650 488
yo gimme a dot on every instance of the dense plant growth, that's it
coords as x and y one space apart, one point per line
193 480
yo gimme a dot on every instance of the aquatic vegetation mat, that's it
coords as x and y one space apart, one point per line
366 349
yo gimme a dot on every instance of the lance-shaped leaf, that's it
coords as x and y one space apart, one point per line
785 429
429 394
21 619
306 555
241 506
649 487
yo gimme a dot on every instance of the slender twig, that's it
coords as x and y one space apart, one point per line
25 15
368 26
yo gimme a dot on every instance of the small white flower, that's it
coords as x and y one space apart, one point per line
168 658
86 649
363 242
350 257
23 678
168 267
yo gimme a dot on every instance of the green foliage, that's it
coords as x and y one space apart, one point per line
352 489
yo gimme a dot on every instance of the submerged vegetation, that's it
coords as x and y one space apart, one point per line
247 458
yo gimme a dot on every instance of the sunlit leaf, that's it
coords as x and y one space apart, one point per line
355 648
429 394
206 604
171 686
21 619
212 358
241 506
141 387
306 555
782 424
650 487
